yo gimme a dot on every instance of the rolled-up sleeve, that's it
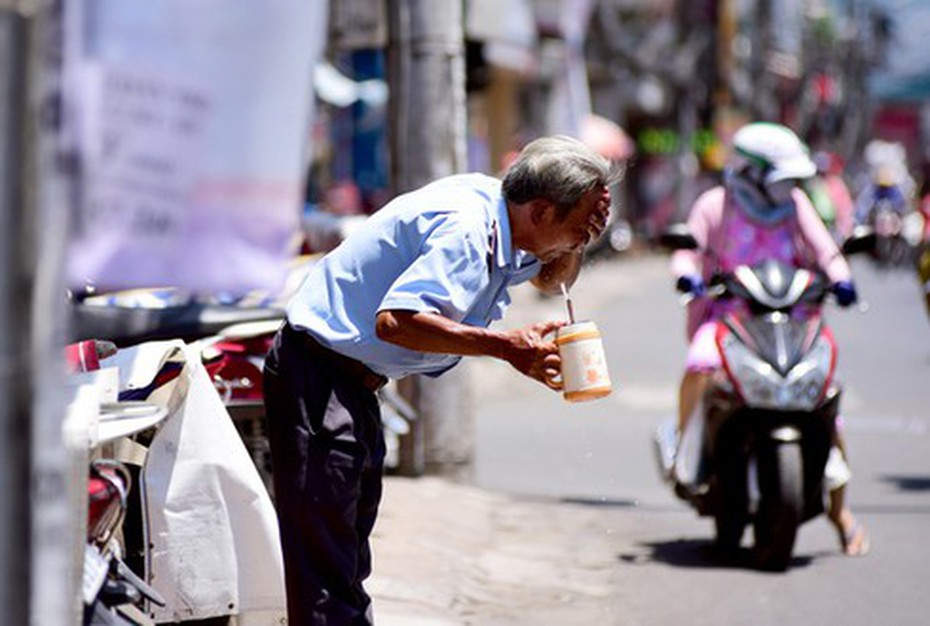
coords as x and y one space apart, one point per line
450 271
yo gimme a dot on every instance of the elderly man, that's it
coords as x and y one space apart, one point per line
411 292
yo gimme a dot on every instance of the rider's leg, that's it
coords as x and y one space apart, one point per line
703 358
693 384
853 537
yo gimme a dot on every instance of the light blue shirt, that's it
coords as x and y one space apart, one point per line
444 248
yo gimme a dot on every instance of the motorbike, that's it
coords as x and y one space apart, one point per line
897 235
113 594
922 256
233 340
756 451
923 273
151 417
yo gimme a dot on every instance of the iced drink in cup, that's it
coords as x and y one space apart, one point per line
584 365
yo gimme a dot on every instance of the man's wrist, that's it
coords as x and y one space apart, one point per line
496 344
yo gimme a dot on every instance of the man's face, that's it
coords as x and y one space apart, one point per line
584 224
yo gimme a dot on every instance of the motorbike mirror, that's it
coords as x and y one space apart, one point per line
861 240
678 237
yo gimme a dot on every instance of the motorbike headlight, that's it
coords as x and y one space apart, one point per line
807 380
762 386
757 381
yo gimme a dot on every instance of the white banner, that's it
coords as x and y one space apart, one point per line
191 121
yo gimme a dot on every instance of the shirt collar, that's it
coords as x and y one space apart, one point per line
502 241
501 236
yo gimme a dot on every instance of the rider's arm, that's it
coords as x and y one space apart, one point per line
822 247
703 223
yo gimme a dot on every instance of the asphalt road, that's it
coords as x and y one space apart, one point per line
598 455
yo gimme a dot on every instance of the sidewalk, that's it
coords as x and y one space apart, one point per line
448 554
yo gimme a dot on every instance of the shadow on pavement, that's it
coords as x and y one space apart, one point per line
601 502
699 553
909 483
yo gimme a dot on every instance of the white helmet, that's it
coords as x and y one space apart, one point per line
774 151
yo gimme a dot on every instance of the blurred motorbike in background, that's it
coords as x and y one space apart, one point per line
897 235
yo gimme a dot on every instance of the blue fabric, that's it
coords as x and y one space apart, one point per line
444 248
755 205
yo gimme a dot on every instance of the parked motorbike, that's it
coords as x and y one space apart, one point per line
234 340
157 422
756 452
113 594
132 318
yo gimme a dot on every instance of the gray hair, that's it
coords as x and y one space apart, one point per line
559 169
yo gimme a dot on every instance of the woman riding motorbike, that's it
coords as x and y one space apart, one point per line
759 213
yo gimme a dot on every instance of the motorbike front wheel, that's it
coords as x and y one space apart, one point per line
781 486
731 509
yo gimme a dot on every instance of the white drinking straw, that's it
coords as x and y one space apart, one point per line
568 303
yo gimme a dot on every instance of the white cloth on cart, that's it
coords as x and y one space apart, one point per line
211 523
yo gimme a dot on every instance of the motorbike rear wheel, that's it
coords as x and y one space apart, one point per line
781 486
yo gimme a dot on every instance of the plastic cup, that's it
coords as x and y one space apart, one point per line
584 365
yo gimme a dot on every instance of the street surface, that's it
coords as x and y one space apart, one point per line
567 522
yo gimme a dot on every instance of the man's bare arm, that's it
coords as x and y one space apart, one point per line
526 349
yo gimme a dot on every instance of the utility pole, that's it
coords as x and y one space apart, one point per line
427 122
40 548
15 431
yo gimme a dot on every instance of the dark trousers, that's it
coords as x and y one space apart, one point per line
327 454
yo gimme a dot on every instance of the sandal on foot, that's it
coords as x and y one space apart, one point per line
855 541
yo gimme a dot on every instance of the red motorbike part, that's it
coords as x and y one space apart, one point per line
236 371
107 490
85 356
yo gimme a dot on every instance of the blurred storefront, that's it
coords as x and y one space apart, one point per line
675 78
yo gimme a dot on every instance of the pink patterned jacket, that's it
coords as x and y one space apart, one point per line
727 237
